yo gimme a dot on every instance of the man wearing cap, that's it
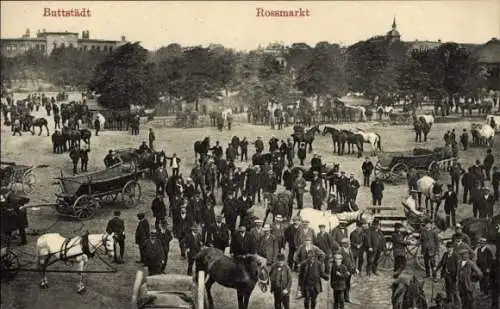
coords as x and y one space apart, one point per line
267 246
484 262
154 255
182 227
165 237
317 191
116 226
398 250
302 255
280 278
374 242
230 211
343 187
259 145
244 149
357 238
294 236
430 248
348 261
242 242
377 190
278 231
466 271
160 179
448 266
252 180
141 234
193 244
218 235
327 244
450 206
367 169
307 230
340 281
456 172
256 230
299 189
231 153
84 157
484 204
159 209
302 152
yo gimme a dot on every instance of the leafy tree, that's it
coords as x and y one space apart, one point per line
125 78
298 55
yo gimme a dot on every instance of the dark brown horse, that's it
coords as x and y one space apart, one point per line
41 123
201 148
476 228
353 139
240 273
306 136
338 139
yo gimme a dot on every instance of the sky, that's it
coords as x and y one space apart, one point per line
235 24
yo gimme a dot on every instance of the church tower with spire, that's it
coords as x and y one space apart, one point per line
393 35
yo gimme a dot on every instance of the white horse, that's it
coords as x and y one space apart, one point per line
431 189
482 134
331 221
53 247
495 124
370 137
101 118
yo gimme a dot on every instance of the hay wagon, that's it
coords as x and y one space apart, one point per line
393 167
81 195
168 291
17 178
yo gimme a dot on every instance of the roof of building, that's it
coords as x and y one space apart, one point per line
489 52
56 33
96 41
393 33
22 40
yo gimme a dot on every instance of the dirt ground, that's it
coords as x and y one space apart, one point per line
113 291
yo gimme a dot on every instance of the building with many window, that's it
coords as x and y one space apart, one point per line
47 41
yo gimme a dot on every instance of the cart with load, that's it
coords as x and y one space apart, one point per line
18 178
393 167
81 195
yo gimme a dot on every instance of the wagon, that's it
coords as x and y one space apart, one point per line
393 167
81 195
9 261
16 177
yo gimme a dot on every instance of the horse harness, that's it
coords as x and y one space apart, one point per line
84 242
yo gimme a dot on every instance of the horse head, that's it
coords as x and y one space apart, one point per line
315 129
255 265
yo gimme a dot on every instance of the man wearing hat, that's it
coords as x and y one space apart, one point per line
244 149
243 243
182 226
218 235
348 261
316 163
154 255
317 191
332 203
267 246
450 205
230 211
299 188
327 244
302 152
231 153
374 244
160 179
340 280
165 237
484 262
256 231
273 144
74 154
280 278
357 238
367 169
141 234
252 182
460 235
398 249
269 182
302 255
259 145
430 248
117 226
294 237
189 189
484 204
343 187
193 243
217 151
456 172
466 271
278 231
377 190
448 266
84 157
159 209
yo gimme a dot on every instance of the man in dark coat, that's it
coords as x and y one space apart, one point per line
152 138
278 231
450 205
159 210
311 280
357 239
74 155
348 261
268 246
484 203
325 242
291 152
273 144
259 145
217 151
288 179
165 237
488 162
448 266
269 182
97 125
302 152
141 234
182 227
160 179
251 186
464 139
339 277
244 149
231 153
218 235
398 250
468 181
430 242
294 237
243 243
317 191
456 171
117 226
299 189
280 278
367 169
230 211
374 242
485 263
84 158
495 181
194 245
154 255
467 270
377 189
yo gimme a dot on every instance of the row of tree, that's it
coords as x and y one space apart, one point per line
132 75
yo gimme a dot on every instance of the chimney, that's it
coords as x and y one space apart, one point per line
123 38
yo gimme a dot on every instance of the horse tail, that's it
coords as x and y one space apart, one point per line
379 142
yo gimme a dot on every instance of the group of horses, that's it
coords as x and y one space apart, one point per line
353 138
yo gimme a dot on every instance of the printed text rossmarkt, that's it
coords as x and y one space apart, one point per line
83 12
283 13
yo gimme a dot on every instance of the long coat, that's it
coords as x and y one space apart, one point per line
280 277
325 242
268 247
218 236
154 253
194 243
311 278
243 245
142 232
339 281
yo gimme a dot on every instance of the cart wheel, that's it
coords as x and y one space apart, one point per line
399 171
9 265
85 207
28 183
131 193
386 257
434 170
413 248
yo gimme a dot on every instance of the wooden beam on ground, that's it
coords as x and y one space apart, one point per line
381 208
201 290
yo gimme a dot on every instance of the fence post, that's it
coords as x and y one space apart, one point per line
201 289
